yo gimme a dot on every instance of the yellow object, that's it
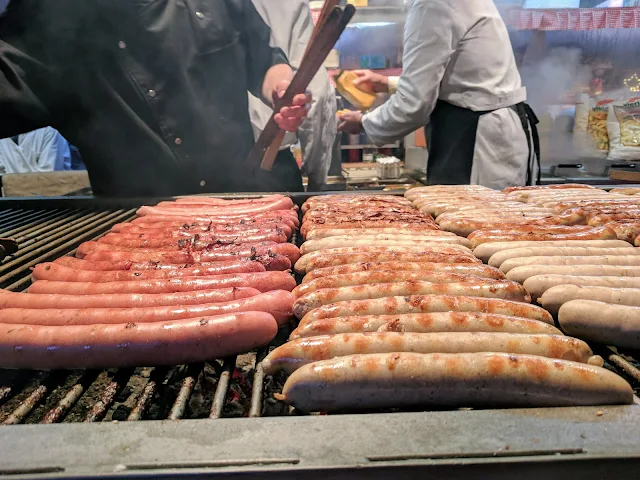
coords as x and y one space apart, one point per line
356 97
359 3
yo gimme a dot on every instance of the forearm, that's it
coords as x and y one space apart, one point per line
275 75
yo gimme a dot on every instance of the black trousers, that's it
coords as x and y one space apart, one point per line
285 176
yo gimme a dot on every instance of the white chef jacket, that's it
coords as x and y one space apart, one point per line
43 150
459 51
291 28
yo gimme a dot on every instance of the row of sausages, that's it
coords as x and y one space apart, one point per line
187 281
396 313
578 260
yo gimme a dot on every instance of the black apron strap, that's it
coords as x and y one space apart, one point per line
452 139
529 125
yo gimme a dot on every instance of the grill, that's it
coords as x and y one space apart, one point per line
124 422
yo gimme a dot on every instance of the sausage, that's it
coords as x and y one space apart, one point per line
290 251
306 229
563 186
557 296
597 233
429 304
498 258
605 218
276 236
622 260
486 250
533 229
539 284
424 323
91 246
281 204
520 274
41 301
137 231
626 191
378 241
423 248
262 281
164 343
217 221
53 271
414 380
426 257
385 276
472 269
278 303
491 289
601 322
218 268
294 354
626 230
214 226
320 233
195 200
465 227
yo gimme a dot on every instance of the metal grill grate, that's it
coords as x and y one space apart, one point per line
233 387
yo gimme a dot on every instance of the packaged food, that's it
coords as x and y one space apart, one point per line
358 98
597 135
580 142
623 127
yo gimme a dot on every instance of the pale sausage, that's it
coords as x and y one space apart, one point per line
293 355
622 260
320 233
378 241
486 250
520 274
413 380
539 284
482 288
424 323
498 258
429 304
557 296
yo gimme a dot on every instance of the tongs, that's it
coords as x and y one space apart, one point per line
332 22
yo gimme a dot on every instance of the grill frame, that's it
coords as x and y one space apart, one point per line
585 441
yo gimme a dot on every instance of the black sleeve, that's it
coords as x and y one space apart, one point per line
261 56
20 109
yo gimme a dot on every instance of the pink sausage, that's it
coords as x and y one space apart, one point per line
216 268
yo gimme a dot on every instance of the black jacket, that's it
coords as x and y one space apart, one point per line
152 92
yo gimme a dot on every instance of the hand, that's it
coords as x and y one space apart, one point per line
350 122
371 82
290 117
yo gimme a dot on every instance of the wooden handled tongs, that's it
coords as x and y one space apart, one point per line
332 22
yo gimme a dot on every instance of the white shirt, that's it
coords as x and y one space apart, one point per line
43 150
291 28
459 51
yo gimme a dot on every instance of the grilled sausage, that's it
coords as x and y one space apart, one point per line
606 218
378 241
626 230
54 271
350 258
601 322
122 300
622 260
470 269
482 288
520 274
291 252
425 248
163 343
179 209
204 241
526 228
224 201
218 268
563 186
262 281
557 296
424 323
485 251
428 304
498 258
267 218
399 224
539 284
320 233
385 276
294 354
597 233
413 380
278 303
88 247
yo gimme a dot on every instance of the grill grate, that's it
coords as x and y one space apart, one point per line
234 387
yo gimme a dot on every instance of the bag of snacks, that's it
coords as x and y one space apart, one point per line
580 143
597 134
623 128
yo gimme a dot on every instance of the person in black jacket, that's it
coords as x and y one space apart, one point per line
152 92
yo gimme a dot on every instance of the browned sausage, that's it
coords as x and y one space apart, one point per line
597 233
219 268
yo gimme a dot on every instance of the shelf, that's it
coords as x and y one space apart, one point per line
362 147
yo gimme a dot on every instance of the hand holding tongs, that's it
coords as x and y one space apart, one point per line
332 22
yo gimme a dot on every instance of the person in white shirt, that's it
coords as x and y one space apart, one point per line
291 28
42 150
459 77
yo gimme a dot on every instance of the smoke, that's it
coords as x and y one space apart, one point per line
548 80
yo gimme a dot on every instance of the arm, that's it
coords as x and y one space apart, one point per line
430 40
54 153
